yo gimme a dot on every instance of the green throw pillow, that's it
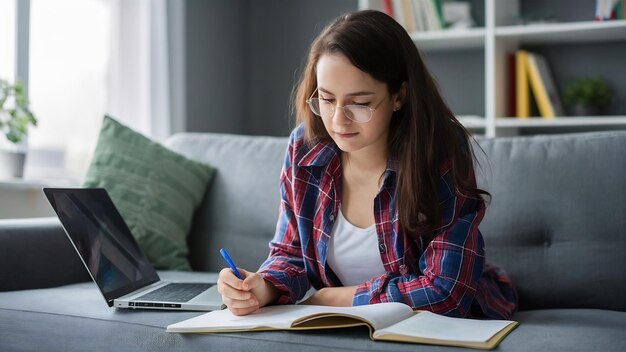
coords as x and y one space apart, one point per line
155 189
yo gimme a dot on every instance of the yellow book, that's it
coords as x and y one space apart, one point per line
409 21
386 322
543 87
522 105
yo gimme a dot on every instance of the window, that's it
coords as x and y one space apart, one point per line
69 66
7 39
82 59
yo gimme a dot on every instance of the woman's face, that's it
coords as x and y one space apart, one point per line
340 83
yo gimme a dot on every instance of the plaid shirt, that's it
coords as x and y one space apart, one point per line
446 275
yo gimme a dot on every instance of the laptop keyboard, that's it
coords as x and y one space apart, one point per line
177 292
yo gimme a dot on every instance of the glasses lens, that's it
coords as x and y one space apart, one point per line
358 113
321 107
314 106
325 109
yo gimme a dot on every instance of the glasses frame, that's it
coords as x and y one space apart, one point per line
334 107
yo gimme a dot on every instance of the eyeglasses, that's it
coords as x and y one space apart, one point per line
325 109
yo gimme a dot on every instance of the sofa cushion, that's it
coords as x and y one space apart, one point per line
155 189
241 206
556 215
36 253
556 221
76 318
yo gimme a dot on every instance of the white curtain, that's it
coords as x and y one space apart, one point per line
139 88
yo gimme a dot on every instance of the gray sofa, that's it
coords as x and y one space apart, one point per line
557 224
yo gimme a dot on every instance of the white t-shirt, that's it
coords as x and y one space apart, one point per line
353 252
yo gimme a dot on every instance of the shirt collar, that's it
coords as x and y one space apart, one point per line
392 165
320 154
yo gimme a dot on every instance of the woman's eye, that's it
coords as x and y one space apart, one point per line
361 104
328 100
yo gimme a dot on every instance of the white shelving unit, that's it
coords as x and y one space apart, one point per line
473 38
573 32
502 35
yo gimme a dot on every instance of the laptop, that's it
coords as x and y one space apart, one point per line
124 275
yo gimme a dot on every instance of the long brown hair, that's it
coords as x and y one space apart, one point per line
422 134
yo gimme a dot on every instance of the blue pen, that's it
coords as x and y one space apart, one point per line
230 263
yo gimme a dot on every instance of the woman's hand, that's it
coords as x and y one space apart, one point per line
332 296
246 296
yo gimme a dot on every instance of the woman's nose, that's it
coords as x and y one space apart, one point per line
340 117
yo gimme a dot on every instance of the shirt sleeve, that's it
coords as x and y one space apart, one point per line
451 266
284 267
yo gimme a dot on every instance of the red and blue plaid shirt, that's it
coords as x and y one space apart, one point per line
446 275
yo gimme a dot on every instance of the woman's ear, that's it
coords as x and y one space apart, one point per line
400 97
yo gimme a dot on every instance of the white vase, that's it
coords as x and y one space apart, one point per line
12 164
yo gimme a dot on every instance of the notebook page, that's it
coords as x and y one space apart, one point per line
282 317
432 326
378 315
278 317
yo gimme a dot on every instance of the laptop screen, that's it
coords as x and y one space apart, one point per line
103 240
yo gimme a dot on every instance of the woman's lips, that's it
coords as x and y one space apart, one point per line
345 134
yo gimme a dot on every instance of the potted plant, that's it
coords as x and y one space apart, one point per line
587 96
15 118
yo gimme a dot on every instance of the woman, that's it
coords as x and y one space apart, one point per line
379 198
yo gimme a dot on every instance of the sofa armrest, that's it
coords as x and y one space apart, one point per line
35 253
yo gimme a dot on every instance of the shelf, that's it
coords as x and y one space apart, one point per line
490 46
584 121
472 122
473 38
35 184
572 32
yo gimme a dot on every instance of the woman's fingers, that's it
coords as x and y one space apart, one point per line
243 311
251 281
245 303
229 286
236 294
228 277
231 292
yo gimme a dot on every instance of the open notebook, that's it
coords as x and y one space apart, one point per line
386 321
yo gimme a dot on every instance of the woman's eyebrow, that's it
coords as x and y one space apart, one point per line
349 94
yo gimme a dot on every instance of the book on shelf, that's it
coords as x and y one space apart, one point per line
386 322
409 19
415 15
511 98
419 16
433 15
610 10
387 8
533 75
543 87
522 90
398 12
